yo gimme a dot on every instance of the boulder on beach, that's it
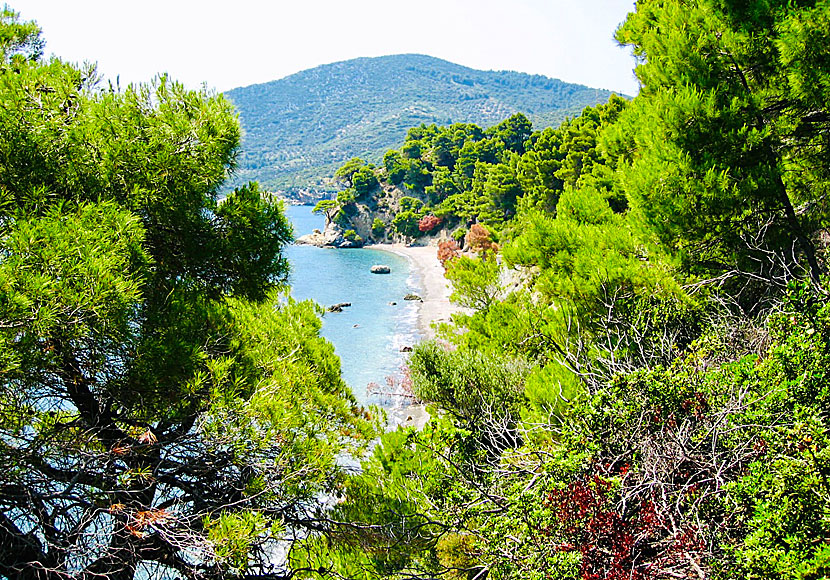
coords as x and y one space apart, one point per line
413 297
380 269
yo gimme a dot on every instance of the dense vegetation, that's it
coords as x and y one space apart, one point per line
299 129
164 410
455 176
640 392
652 401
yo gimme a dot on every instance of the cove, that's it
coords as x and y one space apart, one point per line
368 335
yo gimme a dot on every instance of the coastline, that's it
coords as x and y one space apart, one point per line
435 290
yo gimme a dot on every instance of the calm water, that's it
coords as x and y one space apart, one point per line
369 334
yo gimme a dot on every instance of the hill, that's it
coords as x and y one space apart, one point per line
298 130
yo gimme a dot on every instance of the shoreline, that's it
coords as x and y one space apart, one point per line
435 288
435 306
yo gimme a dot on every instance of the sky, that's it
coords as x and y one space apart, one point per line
224 45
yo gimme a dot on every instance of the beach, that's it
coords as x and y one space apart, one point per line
435 288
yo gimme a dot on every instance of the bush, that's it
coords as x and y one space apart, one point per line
479 240
352 236
378 228
483 393
364 181
429 223
406 224
346 197
447 251
410 204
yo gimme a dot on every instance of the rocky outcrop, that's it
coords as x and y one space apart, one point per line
331 237
380 269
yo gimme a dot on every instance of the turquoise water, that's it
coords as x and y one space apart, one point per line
369 334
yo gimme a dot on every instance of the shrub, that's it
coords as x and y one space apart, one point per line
410 204
479 240
378 228
429 223
352 236
447 251
406 224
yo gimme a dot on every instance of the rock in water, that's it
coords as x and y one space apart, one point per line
413 297
380 269
331 237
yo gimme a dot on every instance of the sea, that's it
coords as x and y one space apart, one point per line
369 335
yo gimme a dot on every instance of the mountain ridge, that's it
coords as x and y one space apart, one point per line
299 129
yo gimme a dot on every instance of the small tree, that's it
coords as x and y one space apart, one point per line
406 224
447 251
347 171
475 281
479 240
364 181
428 223
328 207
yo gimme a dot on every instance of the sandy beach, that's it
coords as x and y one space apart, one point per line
435 289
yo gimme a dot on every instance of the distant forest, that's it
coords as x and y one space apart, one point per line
298 130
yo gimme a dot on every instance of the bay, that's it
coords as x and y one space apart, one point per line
369 334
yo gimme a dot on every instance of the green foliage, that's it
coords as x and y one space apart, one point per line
482 393
417 176
475 281
467 174
395 167
346 198
316 131
327 207
364 181
378 227
233 535
406 224
346 172
18 40
570 155
160 393
352 236
410 204
253 228
724 151
513 132
589 256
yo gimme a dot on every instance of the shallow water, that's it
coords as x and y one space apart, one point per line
368 335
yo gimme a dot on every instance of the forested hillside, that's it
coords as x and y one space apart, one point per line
443 180
641 391
298 130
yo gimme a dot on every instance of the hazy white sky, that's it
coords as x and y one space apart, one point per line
238 43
